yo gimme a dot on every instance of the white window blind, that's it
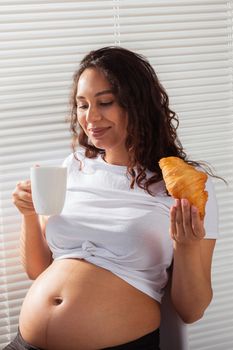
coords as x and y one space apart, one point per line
188 43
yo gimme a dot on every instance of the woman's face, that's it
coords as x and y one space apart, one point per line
100 115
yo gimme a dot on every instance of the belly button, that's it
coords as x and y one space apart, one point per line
57 300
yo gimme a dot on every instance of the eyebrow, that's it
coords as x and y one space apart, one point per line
103 92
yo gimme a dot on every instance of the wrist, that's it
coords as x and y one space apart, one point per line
187 248
30 217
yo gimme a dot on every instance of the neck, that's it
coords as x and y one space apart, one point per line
117 158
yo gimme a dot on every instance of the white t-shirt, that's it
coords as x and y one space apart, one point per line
117 228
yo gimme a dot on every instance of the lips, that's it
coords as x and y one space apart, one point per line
98 132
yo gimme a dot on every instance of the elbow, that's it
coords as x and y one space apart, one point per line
31 273
192 318
32 276
191 315
35 272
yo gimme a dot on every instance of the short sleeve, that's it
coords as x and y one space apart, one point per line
67 161
211 217
73 160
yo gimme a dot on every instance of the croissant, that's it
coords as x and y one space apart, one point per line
184 181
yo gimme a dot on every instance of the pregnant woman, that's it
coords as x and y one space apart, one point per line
100 268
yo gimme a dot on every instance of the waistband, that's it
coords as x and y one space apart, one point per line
24 344
147 342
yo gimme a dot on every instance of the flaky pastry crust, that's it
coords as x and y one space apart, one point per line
185 181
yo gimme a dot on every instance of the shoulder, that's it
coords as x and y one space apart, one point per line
79 155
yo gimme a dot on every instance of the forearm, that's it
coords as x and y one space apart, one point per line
34 251
191 284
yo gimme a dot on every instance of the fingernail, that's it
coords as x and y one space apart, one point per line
184 202
194 209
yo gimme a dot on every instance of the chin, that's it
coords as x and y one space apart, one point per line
101 143
98 144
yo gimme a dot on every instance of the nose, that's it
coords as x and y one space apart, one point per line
92 115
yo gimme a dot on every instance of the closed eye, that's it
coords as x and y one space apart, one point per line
102 104
106 103
82 106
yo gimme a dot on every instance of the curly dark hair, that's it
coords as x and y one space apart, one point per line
152 125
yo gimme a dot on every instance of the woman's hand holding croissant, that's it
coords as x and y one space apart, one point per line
186 227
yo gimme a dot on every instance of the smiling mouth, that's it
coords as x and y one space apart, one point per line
98 132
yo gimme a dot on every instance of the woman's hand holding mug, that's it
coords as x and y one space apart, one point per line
22 198
44 193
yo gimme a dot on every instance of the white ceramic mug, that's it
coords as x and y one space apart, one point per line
48 185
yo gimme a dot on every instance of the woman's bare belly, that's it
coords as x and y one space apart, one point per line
76 305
